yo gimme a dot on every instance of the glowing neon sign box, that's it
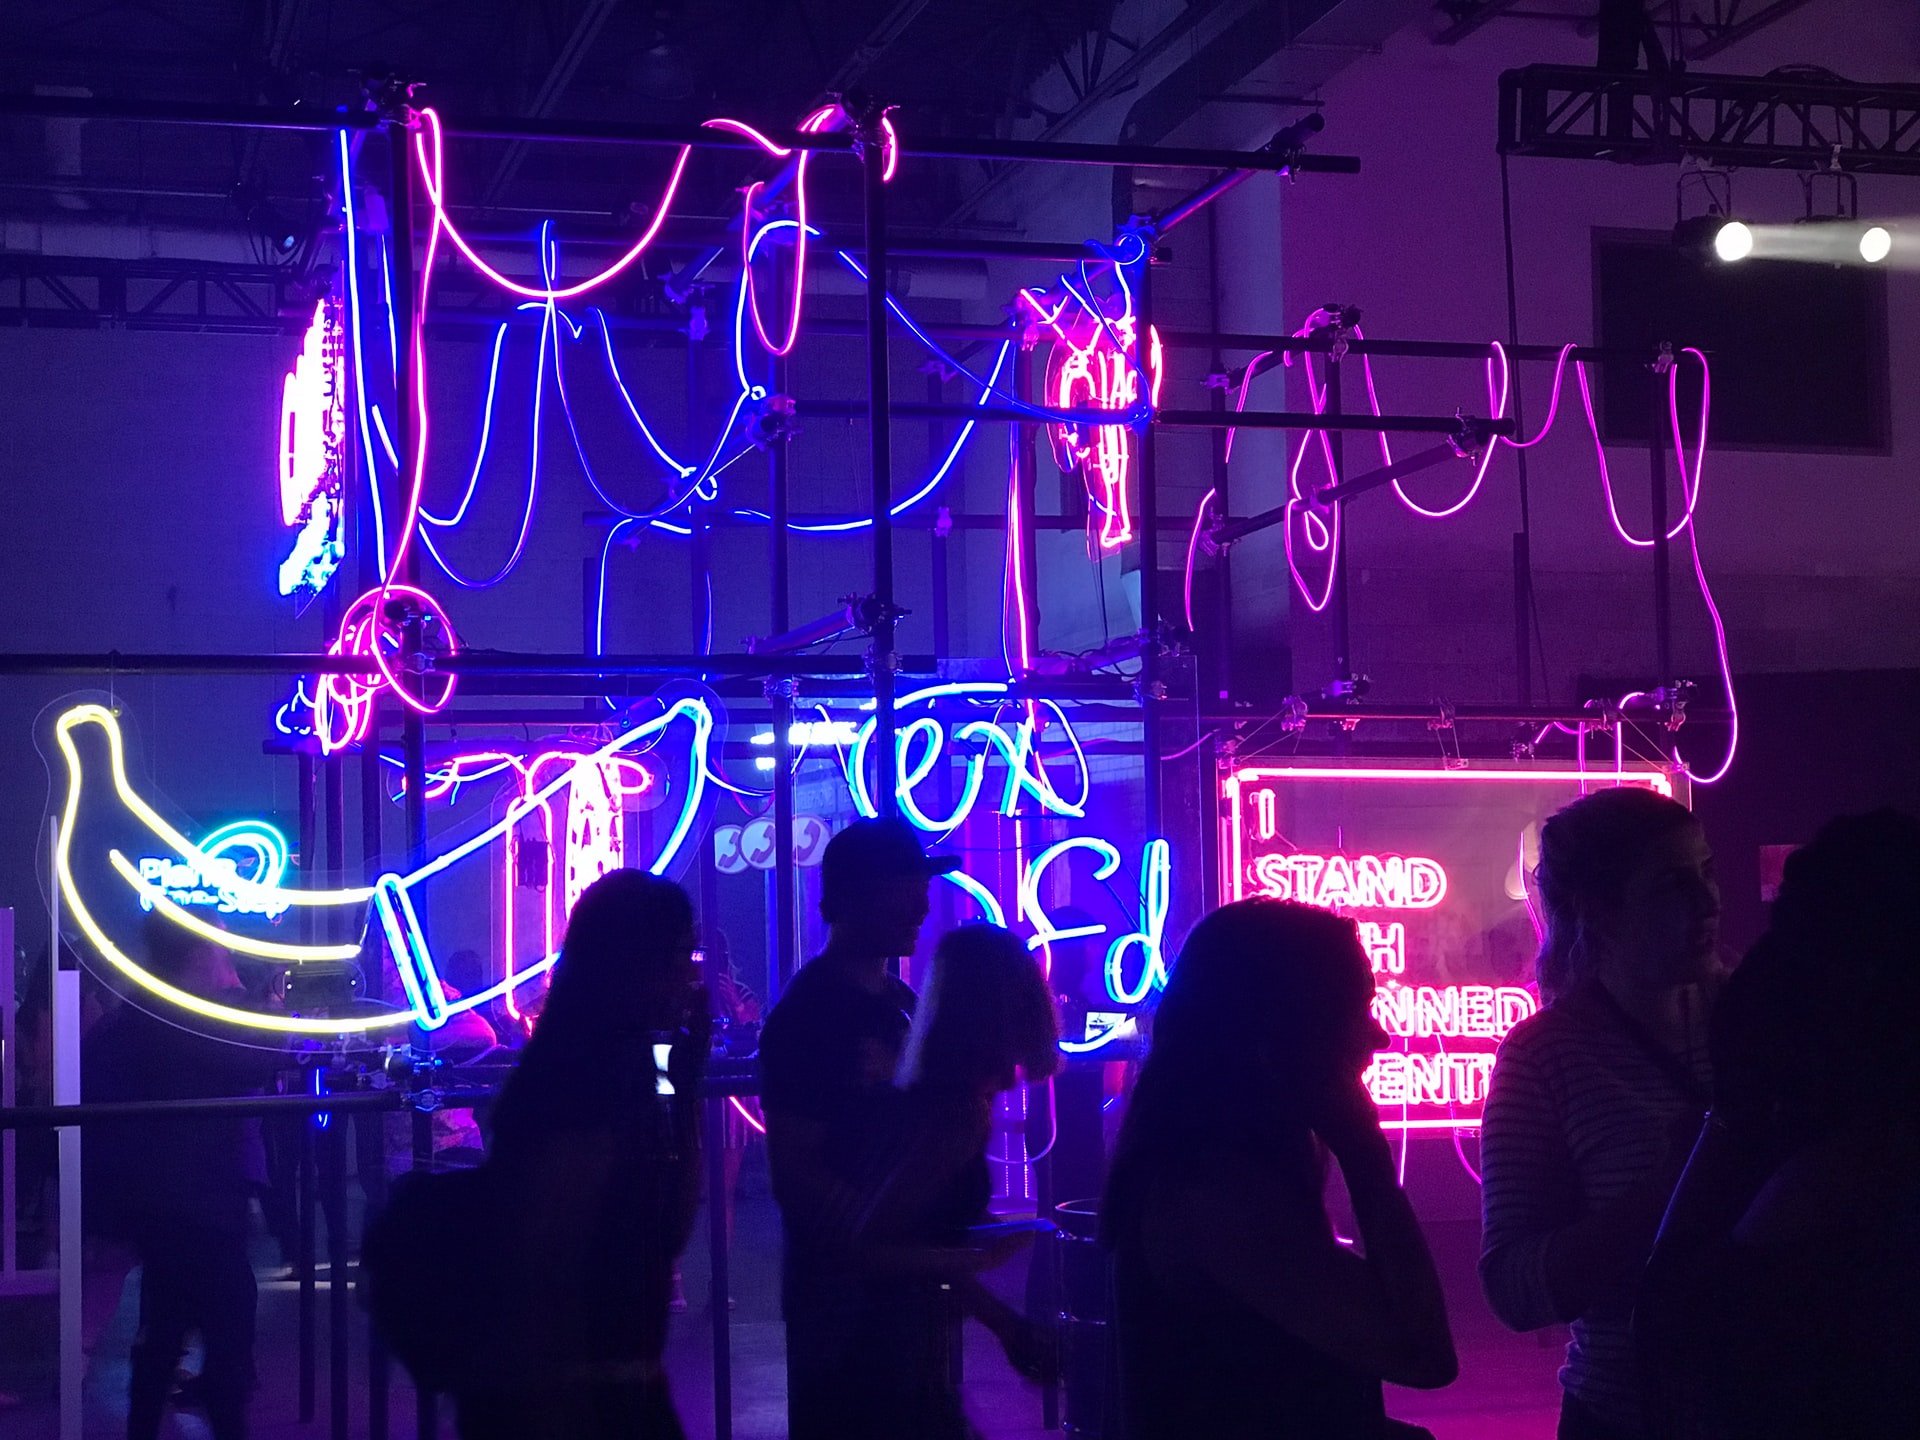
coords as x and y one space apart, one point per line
313 431
1432 865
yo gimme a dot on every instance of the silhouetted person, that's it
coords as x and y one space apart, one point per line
1595 1100
180 1189
985 1020
1783 1297
828 1056
595 1160
1239 1313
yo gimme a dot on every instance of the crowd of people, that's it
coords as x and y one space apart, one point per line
1709 1174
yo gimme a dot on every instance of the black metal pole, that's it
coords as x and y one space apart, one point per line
339 1422
412 742
312 118
1220 637
1523 541
786 901
1149 680
310 866
1285 146
930 147
716 1144
1027 495
1522 617
307 1208
880 438
1322 343
1178 419
1342 611
1657 488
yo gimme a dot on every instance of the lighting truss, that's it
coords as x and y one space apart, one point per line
1571 112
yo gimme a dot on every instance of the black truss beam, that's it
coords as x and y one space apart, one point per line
1570 112
68 292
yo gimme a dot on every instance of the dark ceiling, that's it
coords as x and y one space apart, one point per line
952 66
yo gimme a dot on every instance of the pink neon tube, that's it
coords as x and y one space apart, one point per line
812 124
432 174
1193 547
1693 546
1690 484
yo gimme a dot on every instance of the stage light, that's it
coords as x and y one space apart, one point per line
1714 237
1876 243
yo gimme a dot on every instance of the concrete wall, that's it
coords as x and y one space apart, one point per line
1811 555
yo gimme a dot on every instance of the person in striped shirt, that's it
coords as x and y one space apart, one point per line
1595 1100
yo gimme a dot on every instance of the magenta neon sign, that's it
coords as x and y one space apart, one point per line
313 433
1431 864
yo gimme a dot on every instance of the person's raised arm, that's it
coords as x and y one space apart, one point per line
1267 1243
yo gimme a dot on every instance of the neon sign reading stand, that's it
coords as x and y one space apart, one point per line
1443 1028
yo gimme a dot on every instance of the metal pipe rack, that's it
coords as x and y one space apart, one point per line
587 675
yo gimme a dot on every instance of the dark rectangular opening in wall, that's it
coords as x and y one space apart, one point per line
1799 351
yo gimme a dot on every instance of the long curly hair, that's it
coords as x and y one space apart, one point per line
1289 968
623 929
984 1010
1588 852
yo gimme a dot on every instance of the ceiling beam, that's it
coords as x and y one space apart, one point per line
1735 29
1470 15
560 73
882 38
1105 87
1791 122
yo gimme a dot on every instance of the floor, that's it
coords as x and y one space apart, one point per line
1506 1390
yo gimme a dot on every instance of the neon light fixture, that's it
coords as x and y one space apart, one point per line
220 885
1410 914
1156 877
312 448
343 704
391 895
1026 772
1093 364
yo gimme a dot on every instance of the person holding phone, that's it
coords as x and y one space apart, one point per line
1239 1312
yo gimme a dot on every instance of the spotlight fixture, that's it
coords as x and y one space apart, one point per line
1876 244
1733 241
1714 237
266 220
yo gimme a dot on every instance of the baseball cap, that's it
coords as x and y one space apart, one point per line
881 849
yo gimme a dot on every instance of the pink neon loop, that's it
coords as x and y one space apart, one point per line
431 165
798 285
1553 400
343 704
1689 482
1693 546
1496 402
748 228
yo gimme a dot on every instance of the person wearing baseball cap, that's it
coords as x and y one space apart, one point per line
828 1056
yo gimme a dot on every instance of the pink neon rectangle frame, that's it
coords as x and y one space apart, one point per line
1232 777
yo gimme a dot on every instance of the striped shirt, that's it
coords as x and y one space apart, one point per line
1578 1115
